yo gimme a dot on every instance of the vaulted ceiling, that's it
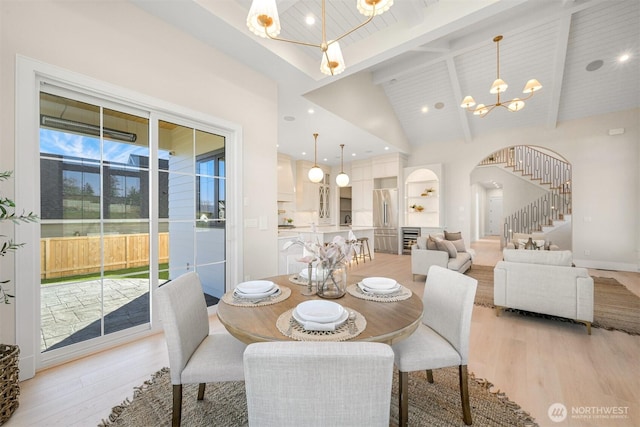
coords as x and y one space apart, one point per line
408 70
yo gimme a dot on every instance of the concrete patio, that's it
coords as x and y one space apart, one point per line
71 312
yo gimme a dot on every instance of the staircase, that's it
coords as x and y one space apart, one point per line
550 210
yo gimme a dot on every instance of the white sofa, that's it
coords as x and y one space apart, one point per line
543 282
422 259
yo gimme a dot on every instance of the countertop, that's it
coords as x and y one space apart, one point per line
284 233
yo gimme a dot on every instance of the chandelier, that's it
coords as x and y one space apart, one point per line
498 87
263 20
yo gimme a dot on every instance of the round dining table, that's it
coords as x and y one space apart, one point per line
386 322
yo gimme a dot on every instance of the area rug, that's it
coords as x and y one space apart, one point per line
614 306
225 404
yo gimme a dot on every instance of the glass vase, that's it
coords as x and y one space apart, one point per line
332 281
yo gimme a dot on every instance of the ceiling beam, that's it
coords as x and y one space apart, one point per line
564 27
457 92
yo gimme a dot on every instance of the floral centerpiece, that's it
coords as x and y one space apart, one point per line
330 261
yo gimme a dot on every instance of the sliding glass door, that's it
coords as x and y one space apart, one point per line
120 205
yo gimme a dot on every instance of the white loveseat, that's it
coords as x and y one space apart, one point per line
456 257
543 282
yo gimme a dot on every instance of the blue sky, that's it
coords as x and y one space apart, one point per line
87 147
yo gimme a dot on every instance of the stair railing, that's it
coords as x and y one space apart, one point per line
546 169
532 163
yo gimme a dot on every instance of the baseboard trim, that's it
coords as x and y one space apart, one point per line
606 265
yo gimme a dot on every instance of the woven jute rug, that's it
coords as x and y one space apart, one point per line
614 306
224 404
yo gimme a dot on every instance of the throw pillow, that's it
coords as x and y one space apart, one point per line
431 243
447 246
452 236
459 244
422 242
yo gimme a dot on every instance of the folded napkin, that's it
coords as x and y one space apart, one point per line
315 326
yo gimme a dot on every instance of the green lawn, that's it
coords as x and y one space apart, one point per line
129 273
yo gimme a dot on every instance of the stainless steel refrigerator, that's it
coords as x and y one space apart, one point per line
385 220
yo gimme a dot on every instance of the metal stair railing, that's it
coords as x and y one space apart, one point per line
534 164
545 169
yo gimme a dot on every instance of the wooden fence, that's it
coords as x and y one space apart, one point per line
71 256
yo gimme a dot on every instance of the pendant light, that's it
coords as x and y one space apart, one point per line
342 179
315 173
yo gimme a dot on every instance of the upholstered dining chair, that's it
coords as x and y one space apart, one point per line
442 340
323 384
195 356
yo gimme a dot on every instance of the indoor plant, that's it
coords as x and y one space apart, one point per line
9 353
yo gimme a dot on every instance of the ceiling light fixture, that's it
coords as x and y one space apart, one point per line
263 20
342 179
315 173
499 86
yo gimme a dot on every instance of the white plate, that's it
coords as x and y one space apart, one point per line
337 323
256 295
319 311
379 291
379 283
304 274
255 286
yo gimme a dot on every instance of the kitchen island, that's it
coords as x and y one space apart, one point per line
323 233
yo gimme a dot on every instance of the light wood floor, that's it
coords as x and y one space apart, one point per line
536 362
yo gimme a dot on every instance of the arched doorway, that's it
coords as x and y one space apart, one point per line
522 189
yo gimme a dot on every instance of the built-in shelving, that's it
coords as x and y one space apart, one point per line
417 193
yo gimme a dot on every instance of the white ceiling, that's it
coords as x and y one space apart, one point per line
424 52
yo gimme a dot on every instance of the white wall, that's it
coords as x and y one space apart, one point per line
117 43
606 182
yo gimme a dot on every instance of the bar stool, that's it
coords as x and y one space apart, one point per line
364 254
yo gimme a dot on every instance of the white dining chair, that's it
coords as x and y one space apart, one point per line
195 356
442 339
319 384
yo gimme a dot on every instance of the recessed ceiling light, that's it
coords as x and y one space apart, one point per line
595 65
289 118
304 153
425 109
325 159
353 154
310 111
386 148
624 57
439 105
310 20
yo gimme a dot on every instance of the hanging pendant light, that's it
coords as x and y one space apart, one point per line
342 179
315 173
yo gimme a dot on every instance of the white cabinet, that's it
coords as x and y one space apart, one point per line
387 166
311 196
286 187
362 196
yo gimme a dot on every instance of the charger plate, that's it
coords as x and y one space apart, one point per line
289 327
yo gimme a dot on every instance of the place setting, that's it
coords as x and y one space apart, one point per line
381 289
256 293
321 320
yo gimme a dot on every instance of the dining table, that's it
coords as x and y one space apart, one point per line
379 319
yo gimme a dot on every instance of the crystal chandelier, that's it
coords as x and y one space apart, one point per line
263 20
498 87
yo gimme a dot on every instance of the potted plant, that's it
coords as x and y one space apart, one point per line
9 353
